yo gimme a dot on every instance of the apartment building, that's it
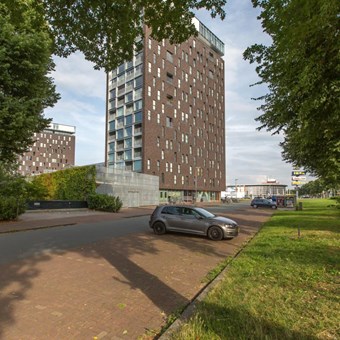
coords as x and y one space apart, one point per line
166 116
53 149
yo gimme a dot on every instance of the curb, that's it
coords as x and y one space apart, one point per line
191 307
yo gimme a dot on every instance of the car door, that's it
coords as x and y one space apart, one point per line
190 221
171 217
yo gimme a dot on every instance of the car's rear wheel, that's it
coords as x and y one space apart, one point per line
254 206
159 228
215 233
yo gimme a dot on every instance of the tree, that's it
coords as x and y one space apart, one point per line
107 31
302 70
313 188
25 88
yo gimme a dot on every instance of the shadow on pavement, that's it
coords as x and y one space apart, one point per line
158 274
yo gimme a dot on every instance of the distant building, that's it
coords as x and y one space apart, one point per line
256 190
166 116
54 149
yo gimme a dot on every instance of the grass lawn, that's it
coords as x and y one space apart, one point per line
280 286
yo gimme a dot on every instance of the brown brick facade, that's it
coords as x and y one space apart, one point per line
54 149
183 123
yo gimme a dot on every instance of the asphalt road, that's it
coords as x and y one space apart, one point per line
16 246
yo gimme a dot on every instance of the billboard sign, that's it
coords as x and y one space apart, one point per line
298 177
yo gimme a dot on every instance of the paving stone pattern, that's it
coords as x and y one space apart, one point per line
122 288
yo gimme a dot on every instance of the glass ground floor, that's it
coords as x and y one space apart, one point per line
188 196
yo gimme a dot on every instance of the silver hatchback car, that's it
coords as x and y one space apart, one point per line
193 220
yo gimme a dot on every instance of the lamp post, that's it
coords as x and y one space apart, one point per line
236 179
196 179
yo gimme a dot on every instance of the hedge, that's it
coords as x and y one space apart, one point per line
11 207
104 202
70 184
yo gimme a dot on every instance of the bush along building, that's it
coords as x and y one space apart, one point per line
166 116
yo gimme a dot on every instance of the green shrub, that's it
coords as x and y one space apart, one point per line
11 207
104 202
35 190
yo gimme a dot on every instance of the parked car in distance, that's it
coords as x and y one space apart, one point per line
263 203
192 220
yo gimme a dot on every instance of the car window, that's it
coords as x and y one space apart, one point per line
171 210
204 213
187 211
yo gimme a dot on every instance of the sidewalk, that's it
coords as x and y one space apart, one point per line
120 288
37 219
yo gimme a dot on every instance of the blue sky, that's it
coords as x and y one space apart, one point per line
252 156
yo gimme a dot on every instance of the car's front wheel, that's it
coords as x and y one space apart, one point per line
254 206
159 228
215 233
274 207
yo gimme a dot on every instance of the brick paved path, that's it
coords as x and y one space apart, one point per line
123 288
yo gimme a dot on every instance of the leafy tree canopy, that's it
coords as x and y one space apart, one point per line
25 88
313 188
107 31
302 70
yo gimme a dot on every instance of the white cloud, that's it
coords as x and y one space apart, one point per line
82 105
76 75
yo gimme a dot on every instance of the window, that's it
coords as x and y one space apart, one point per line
128 131
113 94
169 77
169 56
128 97
138 117
148 164
120 122
149 67
128 143
112 147
139 81
120 111
169 99
120 134
138 105
168 122
121 68
128 120
137 165
138 93
112 125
